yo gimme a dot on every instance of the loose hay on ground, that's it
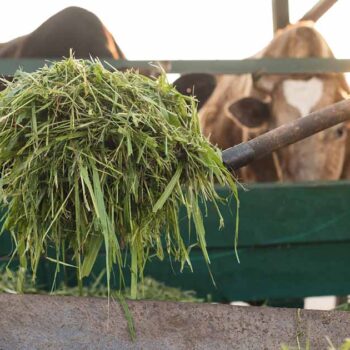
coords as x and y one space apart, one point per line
148 289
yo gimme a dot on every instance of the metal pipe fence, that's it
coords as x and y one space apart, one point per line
257 66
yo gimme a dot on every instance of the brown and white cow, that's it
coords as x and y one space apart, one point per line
234 108
72 28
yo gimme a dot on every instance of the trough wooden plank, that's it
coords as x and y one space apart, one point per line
274 272
265 273
273 214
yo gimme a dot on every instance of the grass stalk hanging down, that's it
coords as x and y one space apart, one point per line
92 158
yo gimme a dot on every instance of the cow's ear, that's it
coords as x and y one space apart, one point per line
250 112
199 85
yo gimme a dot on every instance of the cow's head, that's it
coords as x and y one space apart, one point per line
294 96
237 108
216 96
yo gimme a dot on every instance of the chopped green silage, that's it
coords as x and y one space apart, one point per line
148 289
93 159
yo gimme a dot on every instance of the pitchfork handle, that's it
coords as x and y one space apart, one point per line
244 153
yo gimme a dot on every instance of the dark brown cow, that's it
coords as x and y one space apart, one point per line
235 108
72 28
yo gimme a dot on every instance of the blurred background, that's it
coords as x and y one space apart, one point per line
182 29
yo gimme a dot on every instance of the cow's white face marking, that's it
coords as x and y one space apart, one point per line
303 94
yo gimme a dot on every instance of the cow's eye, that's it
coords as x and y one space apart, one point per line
340 131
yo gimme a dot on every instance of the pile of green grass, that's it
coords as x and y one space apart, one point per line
148 289
93 158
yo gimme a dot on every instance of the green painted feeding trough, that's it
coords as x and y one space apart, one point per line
294 241
293 238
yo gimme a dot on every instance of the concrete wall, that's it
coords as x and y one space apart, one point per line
48 322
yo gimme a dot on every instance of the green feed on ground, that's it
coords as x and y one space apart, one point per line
92 158
148 289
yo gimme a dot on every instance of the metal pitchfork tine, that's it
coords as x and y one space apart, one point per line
242 154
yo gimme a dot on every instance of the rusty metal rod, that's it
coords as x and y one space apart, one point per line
280 14
244 153
318 10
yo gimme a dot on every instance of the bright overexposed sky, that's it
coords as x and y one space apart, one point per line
182 29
